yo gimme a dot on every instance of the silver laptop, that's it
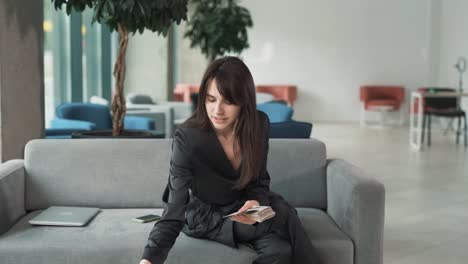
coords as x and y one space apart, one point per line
65 216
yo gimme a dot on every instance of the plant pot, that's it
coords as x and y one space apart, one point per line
125 134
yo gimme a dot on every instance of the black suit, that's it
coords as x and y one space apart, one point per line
200 191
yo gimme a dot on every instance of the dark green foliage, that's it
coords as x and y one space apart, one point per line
135 15
218 27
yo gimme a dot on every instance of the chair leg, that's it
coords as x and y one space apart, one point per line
458 129
382 118
402 116
449 126
429 130
464 121
423 128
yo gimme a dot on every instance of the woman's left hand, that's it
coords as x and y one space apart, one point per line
242 218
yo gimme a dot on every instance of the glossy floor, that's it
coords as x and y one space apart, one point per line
426 192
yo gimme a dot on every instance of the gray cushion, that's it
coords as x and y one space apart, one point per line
134 172
112 238
96 172
297 169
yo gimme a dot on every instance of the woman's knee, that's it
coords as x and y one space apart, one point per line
284 212
272 249
284 250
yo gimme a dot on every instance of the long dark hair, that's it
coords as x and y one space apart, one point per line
235 83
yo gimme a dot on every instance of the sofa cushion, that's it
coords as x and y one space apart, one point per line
111 237
132 173
122 173
297 170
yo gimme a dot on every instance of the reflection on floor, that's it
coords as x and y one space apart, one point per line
426 192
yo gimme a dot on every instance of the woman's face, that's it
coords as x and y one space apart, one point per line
223 114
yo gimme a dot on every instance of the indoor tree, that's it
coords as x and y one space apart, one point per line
128 16
218 27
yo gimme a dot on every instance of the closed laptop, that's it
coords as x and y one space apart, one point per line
65 216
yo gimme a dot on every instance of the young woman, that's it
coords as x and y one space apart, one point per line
220 155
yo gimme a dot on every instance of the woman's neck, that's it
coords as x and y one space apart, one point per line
227 134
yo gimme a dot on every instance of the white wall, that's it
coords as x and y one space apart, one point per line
328 48
453 43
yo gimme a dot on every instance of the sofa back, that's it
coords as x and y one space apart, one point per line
132 173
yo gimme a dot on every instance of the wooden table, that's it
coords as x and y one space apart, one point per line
416 119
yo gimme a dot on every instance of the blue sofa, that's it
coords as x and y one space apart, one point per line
281 123
71 117
290 129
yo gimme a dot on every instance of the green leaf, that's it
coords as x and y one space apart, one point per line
135 15
218 27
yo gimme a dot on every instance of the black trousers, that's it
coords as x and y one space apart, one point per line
280 240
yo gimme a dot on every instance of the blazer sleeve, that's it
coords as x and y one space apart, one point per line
259 188
176 197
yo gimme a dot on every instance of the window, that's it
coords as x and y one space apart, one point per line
77 58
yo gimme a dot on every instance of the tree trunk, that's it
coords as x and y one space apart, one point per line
118 100
211 58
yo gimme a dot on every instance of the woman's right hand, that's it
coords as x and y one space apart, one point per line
144 261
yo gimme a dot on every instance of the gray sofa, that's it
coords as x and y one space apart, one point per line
341 208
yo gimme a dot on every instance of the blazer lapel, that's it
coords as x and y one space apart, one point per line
219 157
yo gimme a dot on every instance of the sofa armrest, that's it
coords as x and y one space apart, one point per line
356 202
364 94
11 193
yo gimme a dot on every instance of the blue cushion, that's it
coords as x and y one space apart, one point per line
276 112
61 123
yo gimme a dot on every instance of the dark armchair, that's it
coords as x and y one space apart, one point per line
281 123
446 107
290 129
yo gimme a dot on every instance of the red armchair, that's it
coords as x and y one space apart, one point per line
381 98
183 91
287 93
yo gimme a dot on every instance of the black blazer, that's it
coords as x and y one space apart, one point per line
200 191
